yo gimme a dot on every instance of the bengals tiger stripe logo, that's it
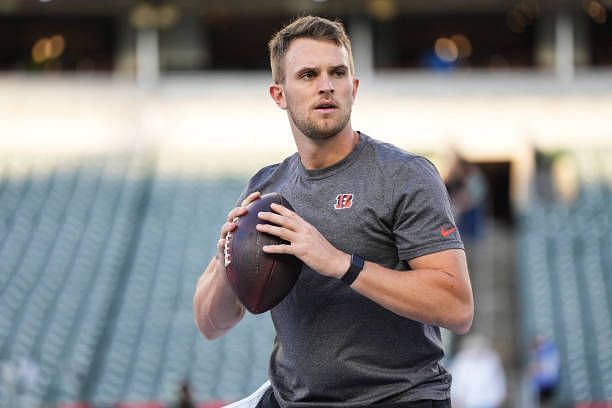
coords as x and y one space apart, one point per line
343 201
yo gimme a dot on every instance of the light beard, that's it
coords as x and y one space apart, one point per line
313 131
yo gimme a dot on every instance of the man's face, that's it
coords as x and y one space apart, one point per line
319 89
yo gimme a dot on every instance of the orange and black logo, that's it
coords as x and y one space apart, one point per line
343 201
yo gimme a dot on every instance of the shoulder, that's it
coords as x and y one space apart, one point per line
396 162
272 172
272 169
265 172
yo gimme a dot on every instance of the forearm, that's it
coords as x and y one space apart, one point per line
216 307
431 296
435 291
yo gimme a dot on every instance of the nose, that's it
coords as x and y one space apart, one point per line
325 84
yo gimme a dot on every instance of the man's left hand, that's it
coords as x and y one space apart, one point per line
305 242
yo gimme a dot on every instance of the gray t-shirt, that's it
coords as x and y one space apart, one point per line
333 346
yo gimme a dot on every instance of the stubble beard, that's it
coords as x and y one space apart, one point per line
317 130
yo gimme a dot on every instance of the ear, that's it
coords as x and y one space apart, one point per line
278 94
355 87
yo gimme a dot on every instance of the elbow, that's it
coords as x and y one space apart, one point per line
462 327
203 328
207 331
463 313
459 320
210 334
462 320
206 324
206 327
211 331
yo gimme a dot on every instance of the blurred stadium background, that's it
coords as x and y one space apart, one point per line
128 128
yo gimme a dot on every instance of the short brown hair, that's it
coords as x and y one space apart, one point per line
316 28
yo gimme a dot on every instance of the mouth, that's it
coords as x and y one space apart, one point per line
326 107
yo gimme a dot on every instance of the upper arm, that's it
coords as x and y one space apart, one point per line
450 261
454 278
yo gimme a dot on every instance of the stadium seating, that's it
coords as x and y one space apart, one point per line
565 276
99 262
100 256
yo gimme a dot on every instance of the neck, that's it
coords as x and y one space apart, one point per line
319 154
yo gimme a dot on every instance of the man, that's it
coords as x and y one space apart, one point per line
350 333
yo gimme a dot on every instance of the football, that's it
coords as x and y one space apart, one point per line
260 280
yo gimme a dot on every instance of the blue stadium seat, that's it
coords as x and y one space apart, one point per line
565 260
100 257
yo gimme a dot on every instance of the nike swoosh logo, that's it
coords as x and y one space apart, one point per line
446 232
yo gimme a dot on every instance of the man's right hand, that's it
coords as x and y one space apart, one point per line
230 225
216 307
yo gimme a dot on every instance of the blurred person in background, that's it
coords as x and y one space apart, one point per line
384 265
479 380
545 369
28 374
467 188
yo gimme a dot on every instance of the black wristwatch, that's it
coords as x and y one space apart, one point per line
354 270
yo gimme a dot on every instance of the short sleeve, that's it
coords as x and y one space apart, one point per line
256 183
423 217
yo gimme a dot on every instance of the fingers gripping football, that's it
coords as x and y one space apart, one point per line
230 224
305 242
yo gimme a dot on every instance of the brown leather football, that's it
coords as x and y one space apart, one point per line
260 280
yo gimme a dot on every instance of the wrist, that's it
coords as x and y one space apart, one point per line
356 266
343 265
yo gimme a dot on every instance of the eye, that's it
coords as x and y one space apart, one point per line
339 72
307 75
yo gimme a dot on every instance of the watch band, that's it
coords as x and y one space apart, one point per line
356 267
